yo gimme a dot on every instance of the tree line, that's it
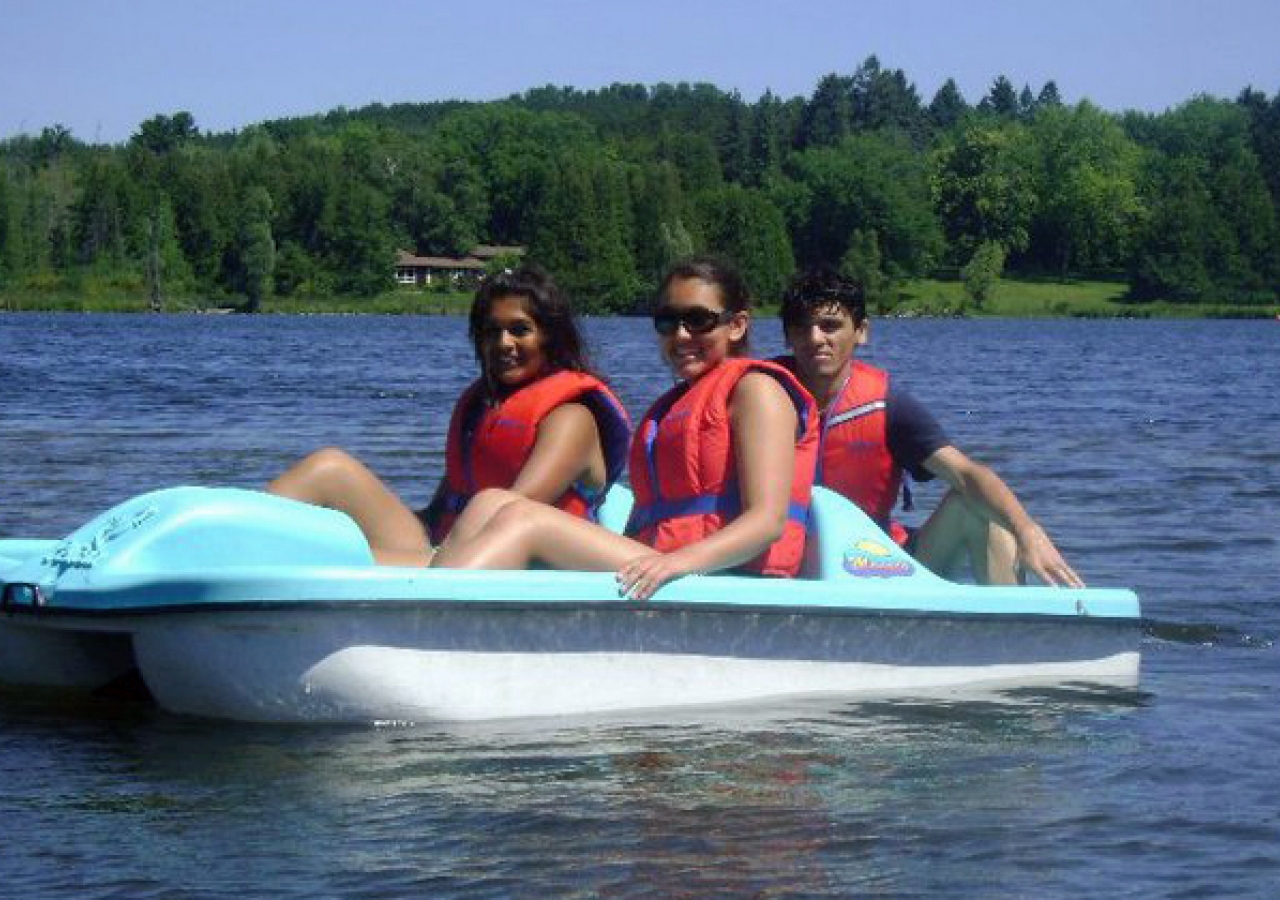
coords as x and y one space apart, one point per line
607 187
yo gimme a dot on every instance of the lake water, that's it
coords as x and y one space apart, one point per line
1149 450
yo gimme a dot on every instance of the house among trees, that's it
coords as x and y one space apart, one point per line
425 271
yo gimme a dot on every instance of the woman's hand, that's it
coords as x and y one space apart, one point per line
640 577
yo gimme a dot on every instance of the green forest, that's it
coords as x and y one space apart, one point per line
607 187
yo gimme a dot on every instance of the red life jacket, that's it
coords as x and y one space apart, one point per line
489 445
684 475
853 455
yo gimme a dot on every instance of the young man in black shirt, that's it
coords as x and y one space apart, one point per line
873 432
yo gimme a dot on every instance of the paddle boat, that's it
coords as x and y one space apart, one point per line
241 605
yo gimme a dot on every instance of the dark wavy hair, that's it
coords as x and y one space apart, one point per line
819 287
545 303
734 293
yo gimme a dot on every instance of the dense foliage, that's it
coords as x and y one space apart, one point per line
607 187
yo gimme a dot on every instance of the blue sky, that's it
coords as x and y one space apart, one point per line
101 67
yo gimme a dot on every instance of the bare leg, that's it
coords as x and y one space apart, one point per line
956 533
337 480
999 565
522 532
476 515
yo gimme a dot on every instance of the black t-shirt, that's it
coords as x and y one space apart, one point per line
911 431
913 434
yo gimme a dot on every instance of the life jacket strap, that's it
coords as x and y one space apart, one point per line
452 503
728 504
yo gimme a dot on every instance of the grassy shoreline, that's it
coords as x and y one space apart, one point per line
1011 298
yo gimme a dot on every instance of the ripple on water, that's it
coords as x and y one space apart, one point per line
1168 791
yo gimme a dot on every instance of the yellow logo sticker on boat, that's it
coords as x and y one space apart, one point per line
871 559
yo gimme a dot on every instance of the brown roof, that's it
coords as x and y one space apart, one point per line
487 251
404 258
473 260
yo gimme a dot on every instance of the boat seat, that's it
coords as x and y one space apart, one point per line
820 547
837 527
616 508
186 529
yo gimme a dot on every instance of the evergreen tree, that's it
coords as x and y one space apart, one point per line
827 117
862 262
1001 100
40 224
580 234
304 200
1048 97
199 187
164 267
982 273
769 139
1171 262
438 206
162 135
694 157
53 145
102 214
736 141
6 229
741 225
948 107
1026 104
257 248
1264 134
661 221
881 98
359 246
1213 232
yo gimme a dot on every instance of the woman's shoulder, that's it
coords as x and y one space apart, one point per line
773 392
758 389
760 381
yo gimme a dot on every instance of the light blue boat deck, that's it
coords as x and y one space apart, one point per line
216 548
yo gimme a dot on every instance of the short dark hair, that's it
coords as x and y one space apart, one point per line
818 287
545 303
734 293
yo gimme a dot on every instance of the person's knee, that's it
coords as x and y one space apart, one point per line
316 477
482 507
516 513
334 478
519 522
976 521
331 461
970 519
495 497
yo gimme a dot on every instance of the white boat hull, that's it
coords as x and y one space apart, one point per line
439 665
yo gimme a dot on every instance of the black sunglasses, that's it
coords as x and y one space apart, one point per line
696 320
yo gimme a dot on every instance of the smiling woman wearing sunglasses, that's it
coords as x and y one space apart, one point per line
721 465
